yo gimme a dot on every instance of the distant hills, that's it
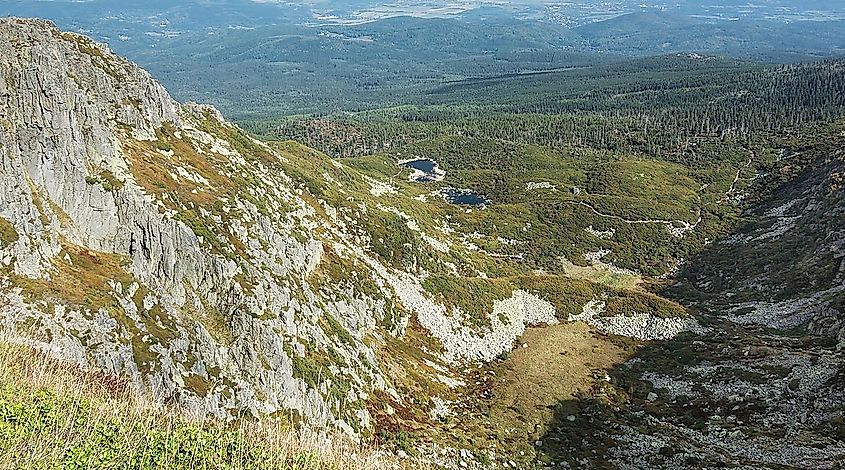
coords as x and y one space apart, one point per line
652 33
264 59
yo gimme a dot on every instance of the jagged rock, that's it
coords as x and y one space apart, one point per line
643 326
155 240
74 117
827 321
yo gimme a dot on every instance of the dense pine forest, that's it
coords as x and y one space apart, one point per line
656 106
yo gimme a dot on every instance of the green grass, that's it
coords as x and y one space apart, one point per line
56 416
474 296
628 303
8 234
30 419
163 146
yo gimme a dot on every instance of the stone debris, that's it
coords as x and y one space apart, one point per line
378 188
641 325
440 410
595 259
603 235
781 315
535 185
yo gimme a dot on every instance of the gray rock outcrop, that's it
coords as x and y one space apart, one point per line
155 240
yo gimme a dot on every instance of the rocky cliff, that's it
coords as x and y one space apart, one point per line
784 268
148 238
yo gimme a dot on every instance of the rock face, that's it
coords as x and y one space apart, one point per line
78 122
155 240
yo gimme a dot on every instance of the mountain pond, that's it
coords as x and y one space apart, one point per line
426 170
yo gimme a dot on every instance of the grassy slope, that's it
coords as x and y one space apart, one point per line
468 289
53 415
550 223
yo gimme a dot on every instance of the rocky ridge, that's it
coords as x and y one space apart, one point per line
153 239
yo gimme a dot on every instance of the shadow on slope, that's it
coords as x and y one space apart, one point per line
766 386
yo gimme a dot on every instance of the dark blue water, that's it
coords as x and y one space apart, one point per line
425 165
464 198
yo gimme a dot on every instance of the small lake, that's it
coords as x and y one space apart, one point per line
463 197
424 165
425 170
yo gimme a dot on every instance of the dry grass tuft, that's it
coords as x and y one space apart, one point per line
55 415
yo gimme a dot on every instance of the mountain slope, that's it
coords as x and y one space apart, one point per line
153 239
153 243
784 267
764 387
